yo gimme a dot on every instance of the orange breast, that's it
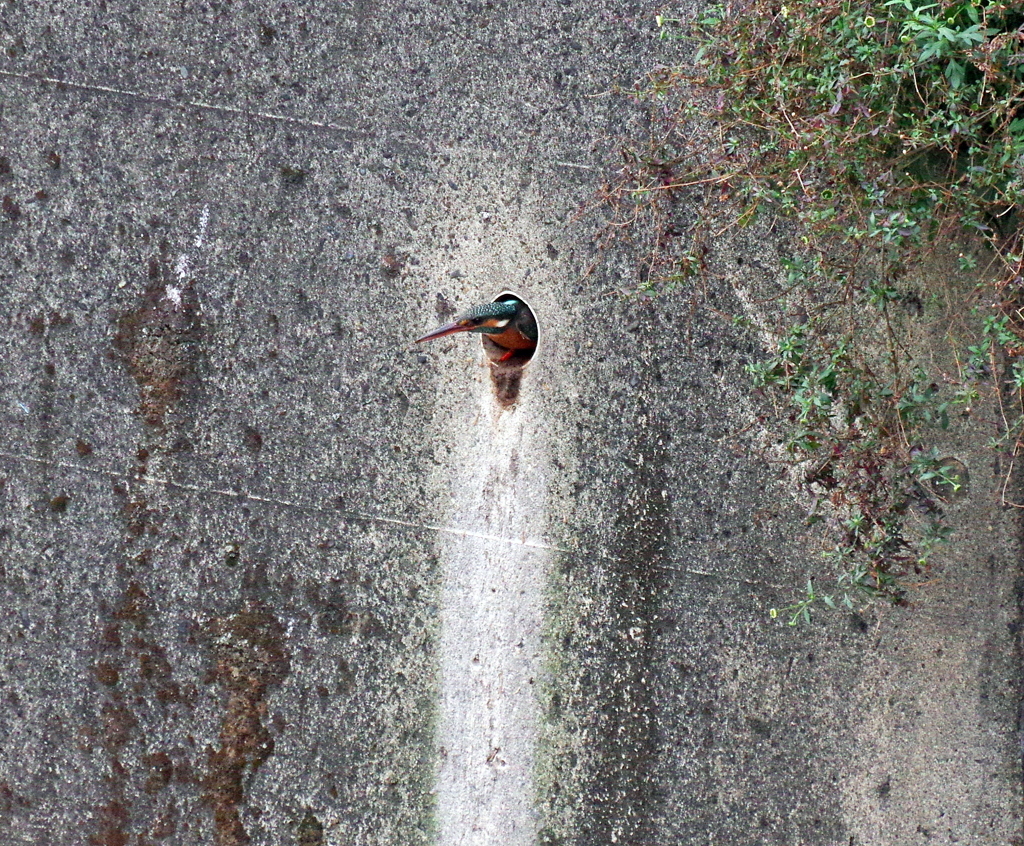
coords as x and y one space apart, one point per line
513 339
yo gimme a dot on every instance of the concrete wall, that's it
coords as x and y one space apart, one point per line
273 574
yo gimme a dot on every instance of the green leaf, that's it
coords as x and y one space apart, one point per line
955 73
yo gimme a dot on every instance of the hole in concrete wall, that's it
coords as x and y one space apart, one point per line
507 365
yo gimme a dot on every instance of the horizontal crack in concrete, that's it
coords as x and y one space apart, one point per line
344 513
176 104
358 515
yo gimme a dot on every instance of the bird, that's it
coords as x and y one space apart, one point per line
508 322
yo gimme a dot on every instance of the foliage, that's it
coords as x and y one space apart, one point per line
880 122
883 130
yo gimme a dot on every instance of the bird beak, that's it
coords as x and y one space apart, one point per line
441 331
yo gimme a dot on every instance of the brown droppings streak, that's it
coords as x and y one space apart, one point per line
506 380
113 820
138 695
160 769
136 606
249 658
158 343
106 673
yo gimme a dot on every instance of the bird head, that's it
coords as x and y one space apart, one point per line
489 319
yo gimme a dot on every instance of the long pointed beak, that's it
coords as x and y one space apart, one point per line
441 331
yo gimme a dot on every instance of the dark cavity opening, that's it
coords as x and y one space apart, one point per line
507 366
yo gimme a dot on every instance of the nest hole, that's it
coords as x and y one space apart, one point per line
508 366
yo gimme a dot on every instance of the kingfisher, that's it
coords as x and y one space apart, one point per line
508 322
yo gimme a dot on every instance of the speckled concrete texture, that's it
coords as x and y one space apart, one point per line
272 574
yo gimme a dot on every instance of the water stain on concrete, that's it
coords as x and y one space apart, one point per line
597 776
624 807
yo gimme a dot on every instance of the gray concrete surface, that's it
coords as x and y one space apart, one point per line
272 574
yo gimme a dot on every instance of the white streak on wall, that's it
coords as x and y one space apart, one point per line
183 266
490 641
204 221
